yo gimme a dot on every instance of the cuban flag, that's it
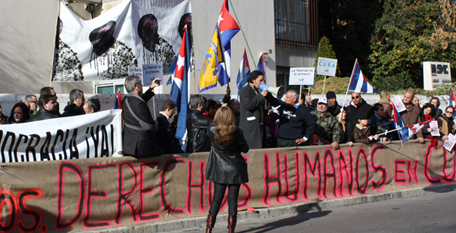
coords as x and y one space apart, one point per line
244 72
397 122
358 82
228 29
452 100
180 91
262 66
118 101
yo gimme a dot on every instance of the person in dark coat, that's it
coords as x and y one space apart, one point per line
296 124
139 127
252 112
163 137
333 106
225 166
357 107
19 114
74 107
197 125
47 104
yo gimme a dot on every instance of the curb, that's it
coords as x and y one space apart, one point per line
264 213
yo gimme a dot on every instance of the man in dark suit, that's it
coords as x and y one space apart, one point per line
138 134
197 125
252 113
163 137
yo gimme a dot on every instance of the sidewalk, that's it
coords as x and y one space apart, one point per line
200 222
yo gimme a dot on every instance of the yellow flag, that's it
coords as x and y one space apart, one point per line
214 56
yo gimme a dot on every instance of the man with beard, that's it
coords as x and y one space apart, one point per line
358 107
328 127
138 133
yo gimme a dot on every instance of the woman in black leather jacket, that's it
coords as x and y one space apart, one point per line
226 166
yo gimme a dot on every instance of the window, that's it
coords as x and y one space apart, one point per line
109 86
296 22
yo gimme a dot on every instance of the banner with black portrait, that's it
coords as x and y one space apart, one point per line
132 33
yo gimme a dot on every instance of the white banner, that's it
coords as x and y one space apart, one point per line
87 136
132 33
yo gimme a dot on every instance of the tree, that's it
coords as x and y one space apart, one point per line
400 43
349 25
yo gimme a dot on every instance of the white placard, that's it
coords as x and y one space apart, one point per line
302 76
436 74
326 66
135 71
435 128
449 143
396 100
151 72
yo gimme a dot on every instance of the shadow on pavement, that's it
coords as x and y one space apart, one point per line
288 221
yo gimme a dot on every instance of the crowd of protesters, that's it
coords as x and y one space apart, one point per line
231 126
44 107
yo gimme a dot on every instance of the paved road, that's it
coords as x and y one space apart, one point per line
429 213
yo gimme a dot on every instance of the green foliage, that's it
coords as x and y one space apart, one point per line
398 47
325 49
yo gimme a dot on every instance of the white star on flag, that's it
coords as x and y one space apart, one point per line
220 19
180 62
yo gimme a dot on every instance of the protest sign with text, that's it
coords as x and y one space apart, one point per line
326 66
302 76
151 72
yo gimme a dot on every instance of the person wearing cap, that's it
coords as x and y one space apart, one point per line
328 127
296 124
358 106
361 133
333 106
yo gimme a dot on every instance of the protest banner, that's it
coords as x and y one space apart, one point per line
91 194
86 136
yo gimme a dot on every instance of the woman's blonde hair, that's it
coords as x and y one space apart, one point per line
225 121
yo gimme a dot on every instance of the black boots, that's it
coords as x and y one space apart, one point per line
210 224
231 223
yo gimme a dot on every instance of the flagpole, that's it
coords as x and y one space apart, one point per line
240 27
348 86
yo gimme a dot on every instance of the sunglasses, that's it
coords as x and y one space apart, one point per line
449 112
355 97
